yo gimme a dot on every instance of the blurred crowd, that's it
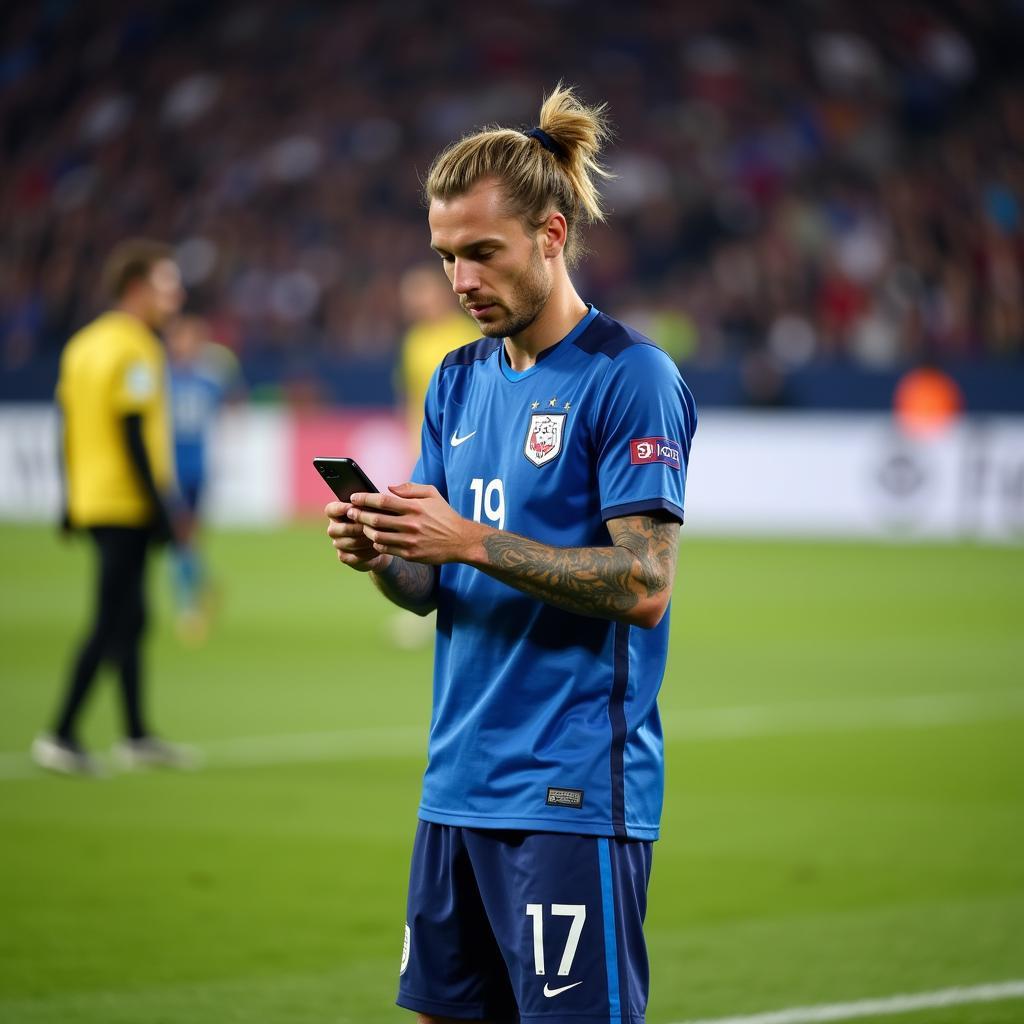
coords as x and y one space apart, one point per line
801 181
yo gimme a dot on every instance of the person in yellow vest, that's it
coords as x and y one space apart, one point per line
118 472
436 326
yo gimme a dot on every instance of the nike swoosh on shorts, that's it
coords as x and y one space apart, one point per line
549 992
456 440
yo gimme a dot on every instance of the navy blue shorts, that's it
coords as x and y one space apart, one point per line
508 926
191 493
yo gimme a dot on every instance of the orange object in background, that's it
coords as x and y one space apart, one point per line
927 401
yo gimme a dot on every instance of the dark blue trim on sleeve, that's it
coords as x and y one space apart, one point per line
617 717
591 315
474 352
607 337
631 508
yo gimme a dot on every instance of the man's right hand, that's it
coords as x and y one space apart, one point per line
352 545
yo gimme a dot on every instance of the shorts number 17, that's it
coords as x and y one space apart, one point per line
578 913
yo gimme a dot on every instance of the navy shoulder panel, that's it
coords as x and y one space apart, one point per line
607 337
474 352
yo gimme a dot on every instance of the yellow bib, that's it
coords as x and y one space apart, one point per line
423 348
112 368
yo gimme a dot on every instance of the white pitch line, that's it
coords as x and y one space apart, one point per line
788 718
698 724
336 745
992 993
18 766
284 748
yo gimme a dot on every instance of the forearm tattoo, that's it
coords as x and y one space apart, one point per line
408 584
654 544
605 582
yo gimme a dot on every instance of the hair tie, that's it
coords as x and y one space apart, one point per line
546 141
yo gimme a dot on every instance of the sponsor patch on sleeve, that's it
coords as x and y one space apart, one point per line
643 450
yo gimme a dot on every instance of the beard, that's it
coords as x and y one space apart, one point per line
530 293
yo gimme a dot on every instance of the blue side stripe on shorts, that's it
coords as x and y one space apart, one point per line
611 953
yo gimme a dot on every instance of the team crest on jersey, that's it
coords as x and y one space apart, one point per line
544 437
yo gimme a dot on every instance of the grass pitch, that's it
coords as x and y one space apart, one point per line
844 816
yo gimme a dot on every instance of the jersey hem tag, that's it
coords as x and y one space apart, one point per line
558 797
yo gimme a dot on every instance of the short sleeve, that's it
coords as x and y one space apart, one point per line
645 424
430 465
137 384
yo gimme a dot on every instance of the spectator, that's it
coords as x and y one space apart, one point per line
862 177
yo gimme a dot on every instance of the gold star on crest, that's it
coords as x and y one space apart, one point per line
534 405
553 402
567 406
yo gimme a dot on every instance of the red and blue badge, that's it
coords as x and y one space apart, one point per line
645 450
544 437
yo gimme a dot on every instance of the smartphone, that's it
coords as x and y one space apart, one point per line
344 477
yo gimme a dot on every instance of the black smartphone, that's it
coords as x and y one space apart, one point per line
344 477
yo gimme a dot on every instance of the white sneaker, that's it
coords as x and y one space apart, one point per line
151 752
57 755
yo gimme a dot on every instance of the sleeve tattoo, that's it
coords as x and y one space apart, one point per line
410 585
605 582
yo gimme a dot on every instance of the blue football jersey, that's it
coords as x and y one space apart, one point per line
198 391
544 719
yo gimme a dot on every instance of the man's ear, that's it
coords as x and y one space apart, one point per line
553 235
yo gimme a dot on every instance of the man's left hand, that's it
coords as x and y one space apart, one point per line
414 522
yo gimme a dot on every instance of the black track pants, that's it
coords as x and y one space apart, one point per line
118 625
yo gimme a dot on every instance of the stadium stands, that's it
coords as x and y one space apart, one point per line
802 188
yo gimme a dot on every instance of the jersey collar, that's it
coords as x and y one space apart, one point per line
513 375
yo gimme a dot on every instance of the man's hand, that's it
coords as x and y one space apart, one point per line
352 545
183 525
415 523
172 523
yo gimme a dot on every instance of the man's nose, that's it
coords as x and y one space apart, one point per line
465 278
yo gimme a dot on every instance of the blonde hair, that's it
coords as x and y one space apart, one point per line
534 177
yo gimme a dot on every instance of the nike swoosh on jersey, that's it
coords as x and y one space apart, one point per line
549 992
456 440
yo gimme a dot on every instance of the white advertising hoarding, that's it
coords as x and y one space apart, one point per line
855 476
754 474
250 458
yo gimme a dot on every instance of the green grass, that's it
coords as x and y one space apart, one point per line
831 841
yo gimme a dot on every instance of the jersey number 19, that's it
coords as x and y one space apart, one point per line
488 501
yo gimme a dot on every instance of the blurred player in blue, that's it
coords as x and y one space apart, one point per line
203 376
542 523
